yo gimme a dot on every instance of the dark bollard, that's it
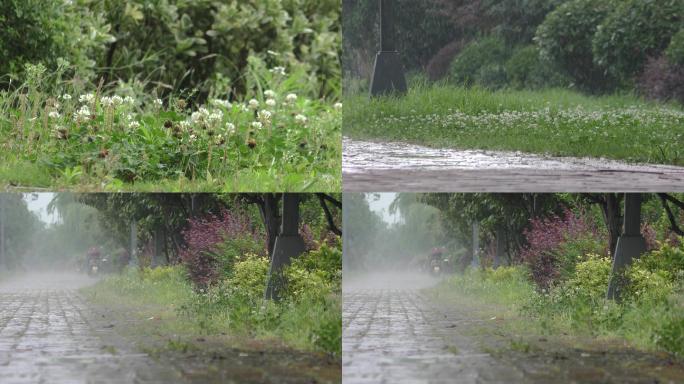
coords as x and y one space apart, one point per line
631 244
388 73
288 244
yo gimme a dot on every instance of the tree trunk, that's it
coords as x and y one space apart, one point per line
613 219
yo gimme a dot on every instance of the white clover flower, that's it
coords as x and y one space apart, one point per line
83 114
253 104
291 98
338 106
230 128
219 139
264 116
270 93
117 100
107 101
87 98
271 102
133 125
185 124
130 117
215 117
66 97
128 100
301 119
278 70
257 125
193 137
54 115
222 103
158 103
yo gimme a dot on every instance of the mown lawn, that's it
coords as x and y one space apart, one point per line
556 122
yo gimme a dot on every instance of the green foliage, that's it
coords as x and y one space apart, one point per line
233 252
504 285
248 277
632 32
526 69
671 336
565 37
492 76
675 51
590 279
50 31
82 136
320 269
480 60
175 46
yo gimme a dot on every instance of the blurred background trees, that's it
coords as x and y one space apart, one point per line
594 46
199 47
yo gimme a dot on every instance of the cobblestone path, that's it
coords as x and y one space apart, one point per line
47 336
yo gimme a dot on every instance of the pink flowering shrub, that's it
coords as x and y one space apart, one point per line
555 244
213 242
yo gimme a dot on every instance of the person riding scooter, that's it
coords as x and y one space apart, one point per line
93 261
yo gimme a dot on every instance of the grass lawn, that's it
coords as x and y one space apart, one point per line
556 122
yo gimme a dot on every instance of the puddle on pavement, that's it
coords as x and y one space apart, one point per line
360 156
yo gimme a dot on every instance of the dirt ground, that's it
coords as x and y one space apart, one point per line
394 332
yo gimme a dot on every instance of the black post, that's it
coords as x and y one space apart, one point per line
631 244
388 73
288 244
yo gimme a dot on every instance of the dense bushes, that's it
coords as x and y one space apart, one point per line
556 244
565 37
200 47
634 31
480 61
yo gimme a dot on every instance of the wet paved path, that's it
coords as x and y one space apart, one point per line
47 335
374 166
392 335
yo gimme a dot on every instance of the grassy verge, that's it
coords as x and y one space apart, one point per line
508 293
91 139
162 302
557 122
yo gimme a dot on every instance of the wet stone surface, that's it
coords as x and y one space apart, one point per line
388 166
391 335
47 336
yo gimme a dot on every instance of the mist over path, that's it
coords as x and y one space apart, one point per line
392 334
48 334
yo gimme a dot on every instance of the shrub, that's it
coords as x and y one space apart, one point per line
249 276
213 243
526 69
466 67
590 279
45 31
565 38
675 51
671 336
661 80
634 31
555 244
207 44
492 76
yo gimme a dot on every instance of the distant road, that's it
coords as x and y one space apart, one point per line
382 166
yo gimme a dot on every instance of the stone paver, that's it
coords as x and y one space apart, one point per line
392 335
47 336
375 166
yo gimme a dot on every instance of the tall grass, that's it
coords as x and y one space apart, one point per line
555 121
